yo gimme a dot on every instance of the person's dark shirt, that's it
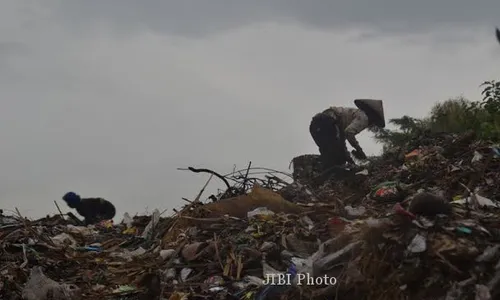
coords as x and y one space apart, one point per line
95 210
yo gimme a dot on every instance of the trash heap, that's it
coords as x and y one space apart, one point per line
421 222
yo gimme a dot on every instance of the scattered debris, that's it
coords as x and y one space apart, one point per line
419 223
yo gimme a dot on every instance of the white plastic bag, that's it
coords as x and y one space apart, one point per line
40 287
259 211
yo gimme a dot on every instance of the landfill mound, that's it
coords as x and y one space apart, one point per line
420 222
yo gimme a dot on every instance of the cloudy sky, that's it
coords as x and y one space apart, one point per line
108 98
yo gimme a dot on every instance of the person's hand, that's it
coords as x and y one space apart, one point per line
359 154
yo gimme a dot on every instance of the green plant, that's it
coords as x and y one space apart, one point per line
490 105
408 128
456 115
491 96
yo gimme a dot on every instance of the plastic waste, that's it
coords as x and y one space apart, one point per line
376 223
167 253
40 287
214 284
300 246
297 192
496 151
169 274
398 209
481 201
482 292
363 172
89 248
185 272
489 254
86 231
355 212
463 229
477 157
247 282
418 244
108 224
261 213
131 231
423 223
214 281
308 221
337 224
123 289
387 191
454 293
7 220
415 154
324 264
128 255
152 224
273 289
127 220
190 252
299 263
286 255
266 246
98 287
64 239
457 289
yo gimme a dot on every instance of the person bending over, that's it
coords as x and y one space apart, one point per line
331 128
94 210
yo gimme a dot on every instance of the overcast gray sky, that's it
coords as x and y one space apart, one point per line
108 98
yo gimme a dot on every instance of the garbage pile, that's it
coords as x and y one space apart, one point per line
421 222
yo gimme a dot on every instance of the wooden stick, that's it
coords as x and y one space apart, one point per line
203 189
60 212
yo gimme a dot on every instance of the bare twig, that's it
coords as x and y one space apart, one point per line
203 189
202 219
245 179
60 212
187 200
164 211
207 171
217 253
262 169
30 228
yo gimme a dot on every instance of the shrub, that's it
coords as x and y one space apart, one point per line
456 115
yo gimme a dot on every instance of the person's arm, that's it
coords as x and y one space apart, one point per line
357 125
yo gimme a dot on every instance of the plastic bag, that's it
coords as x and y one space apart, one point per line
152 224
127 220
418 244
415 154
387 191
261 213
40 287
64 239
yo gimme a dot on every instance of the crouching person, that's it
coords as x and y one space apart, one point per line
331 128
94 210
